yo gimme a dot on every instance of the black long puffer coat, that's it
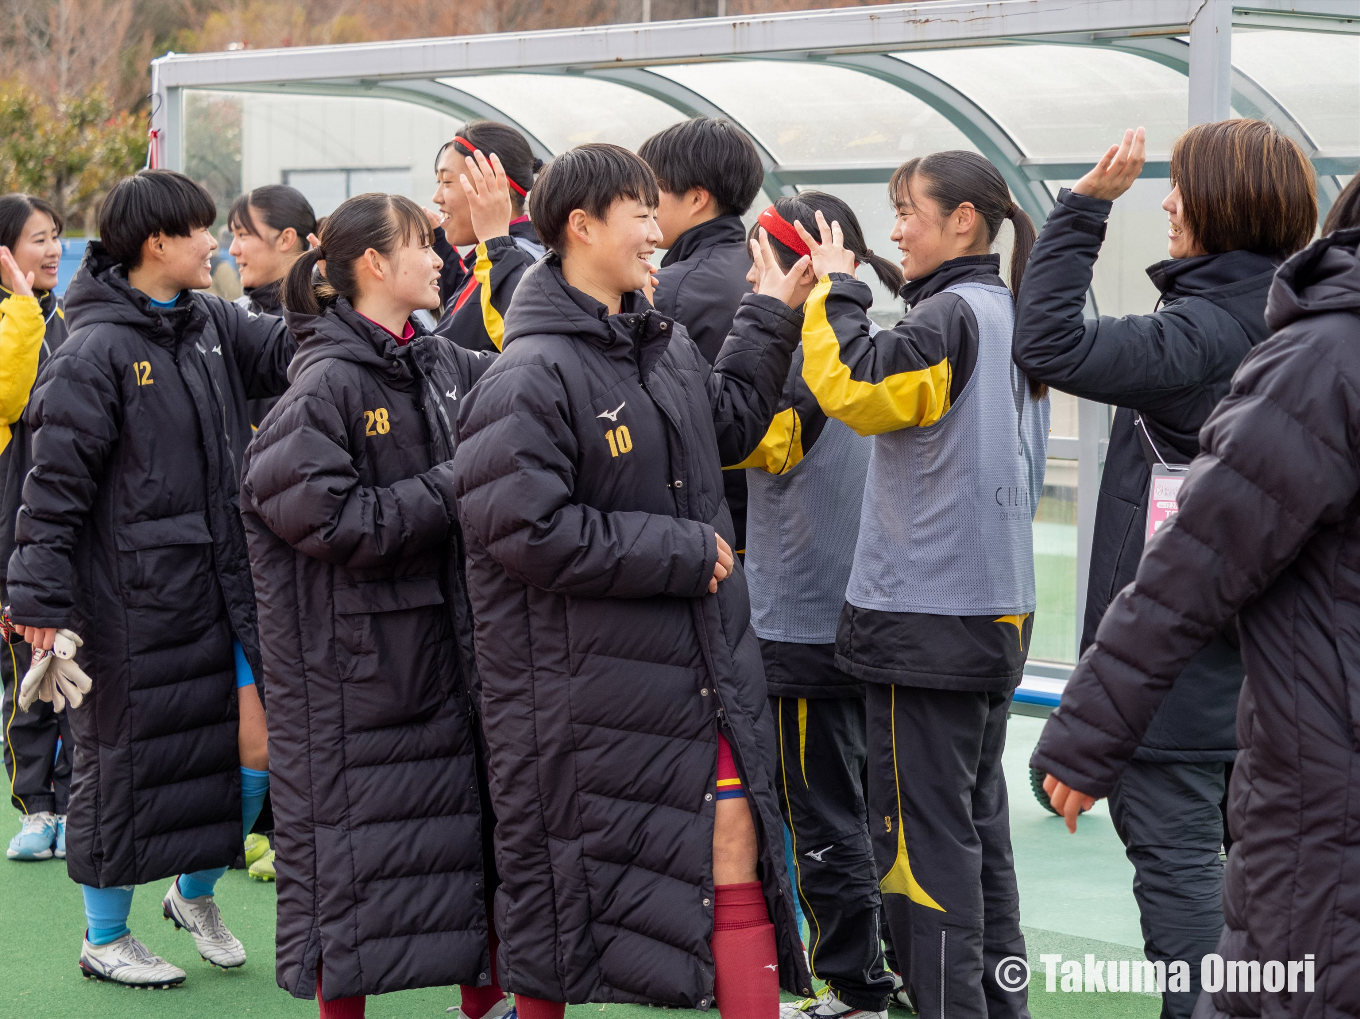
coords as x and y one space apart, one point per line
1269 526
366 632
1171 367
590 491
130 534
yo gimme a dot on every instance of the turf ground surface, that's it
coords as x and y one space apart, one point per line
1074 892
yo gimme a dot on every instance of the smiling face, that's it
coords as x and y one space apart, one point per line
450 199
1180 239
927 237
413 276
183 263
38 250
265 256
613 255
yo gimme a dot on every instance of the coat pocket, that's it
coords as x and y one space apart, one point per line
166 566
393 645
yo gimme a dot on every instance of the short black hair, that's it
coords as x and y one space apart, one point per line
715 155
591 178
152 202
15 209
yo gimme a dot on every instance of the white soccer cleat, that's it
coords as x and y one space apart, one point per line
201 918
128 961
503 1009
826 1006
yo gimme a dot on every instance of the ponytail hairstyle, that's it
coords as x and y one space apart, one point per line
280 206
803 209
949 179
385 223
516 156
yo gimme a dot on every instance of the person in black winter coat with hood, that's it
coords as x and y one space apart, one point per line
638 842
709 172
366 631
1267 540
130 535
1243 200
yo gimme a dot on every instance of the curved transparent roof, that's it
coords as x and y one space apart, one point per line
565 110
1315 76
806 112
1058 100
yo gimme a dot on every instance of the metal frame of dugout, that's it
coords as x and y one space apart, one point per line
1191 37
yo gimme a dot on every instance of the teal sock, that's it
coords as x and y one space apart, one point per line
254 785
106 912
200 882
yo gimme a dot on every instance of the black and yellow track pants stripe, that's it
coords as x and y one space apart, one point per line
940 823
37 779
819 775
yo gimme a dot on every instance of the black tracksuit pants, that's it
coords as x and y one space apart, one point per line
38 780
820 780
1169 816
940 821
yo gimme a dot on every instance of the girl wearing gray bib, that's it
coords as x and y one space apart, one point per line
940 601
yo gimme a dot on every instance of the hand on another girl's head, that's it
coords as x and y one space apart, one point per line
829 253
769 278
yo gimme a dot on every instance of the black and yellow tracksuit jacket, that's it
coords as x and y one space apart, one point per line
908 376
475 307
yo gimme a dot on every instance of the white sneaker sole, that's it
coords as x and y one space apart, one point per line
91 974
46 854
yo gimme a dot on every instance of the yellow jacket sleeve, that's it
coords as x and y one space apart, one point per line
21 336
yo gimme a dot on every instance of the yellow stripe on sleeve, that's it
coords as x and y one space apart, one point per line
782 447
907 399
491 318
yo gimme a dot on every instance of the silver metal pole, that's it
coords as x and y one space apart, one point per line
1211 62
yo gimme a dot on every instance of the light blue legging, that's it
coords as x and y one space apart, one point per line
107 909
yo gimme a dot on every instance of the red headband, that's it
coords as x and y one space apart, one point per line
781 230
458 140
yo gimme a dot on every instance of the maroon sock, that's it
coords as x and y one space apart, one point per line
745 960
340 1008
537 1008
478 1001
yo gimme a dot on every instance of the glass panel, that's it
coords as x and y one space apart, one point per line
568 110
212 145
1134 240
1062 421
325 189
1055 566
840 116
381 144
1060 100
1314 75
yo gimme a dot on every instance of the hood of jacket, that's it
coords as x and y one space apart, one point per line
1324 277
99 294
982 268
1210 276
726 229
341 332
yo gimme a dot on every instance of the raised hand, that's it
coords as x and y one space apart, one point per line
20 283
828 251
791 287
1117 169
488 195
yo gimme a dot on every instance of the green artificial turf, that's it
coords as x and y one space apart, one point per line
1074 890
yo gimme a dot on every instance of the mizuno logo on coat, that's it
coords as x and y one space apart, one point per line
613 415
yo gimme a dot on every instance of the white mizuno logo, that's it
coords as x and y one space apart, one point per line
817 854
773 967
613 415
217 350
452 394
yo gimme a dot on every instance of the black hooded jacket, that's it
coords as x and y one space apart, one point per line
130 534
1269 528
1171 367
266 299
366 634
590 492
700 284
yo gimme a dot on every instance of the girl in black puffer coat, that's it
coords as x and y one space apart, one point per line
1268 534
366 633
614 637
